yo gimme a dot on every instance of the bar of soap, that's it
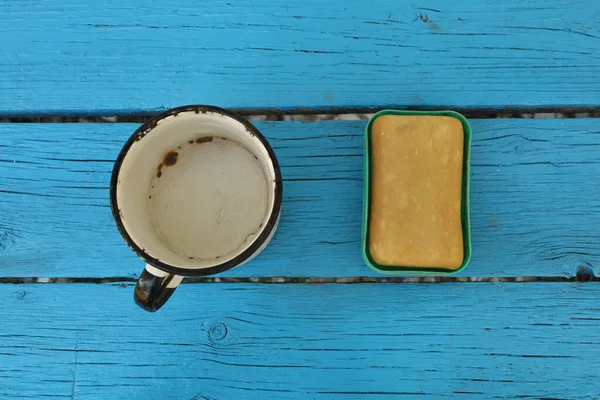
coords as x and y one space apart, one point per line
416 187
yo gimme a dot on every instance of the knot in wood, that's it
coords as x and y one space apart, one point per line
217 331
585 274
520 150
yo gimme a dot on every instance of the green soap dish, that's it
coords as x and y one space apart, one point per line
465 219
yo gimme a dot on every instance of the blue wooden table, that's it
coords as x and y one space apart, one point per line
307 318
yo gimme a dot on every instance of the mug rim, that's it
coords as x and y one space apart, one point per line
238 259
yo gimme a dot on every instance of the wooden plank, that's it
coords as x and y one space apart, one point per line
131 56
217 341
533 204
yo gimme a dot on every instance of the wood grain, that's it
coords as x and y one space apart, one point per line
534 204
132 56
225 341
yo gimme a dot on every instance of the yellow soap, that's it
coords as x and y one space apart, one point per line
415 191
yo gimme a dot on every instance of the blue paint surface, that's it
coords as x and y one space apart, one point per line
234 341
534 201
534 205
119 57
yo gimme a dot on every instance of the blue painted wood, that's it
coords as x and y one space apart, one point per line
124 56
232 341
533 204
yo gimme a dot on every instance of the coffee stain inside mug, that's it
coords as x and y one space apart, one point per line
206 139
169 159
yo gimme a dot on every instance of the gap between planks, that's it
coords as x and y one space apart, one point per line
584 274
312 114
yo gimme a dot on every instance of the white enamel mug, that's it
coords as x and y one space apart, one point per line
195 191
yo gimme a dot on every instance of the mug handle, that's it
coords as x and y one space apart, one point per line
154 287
